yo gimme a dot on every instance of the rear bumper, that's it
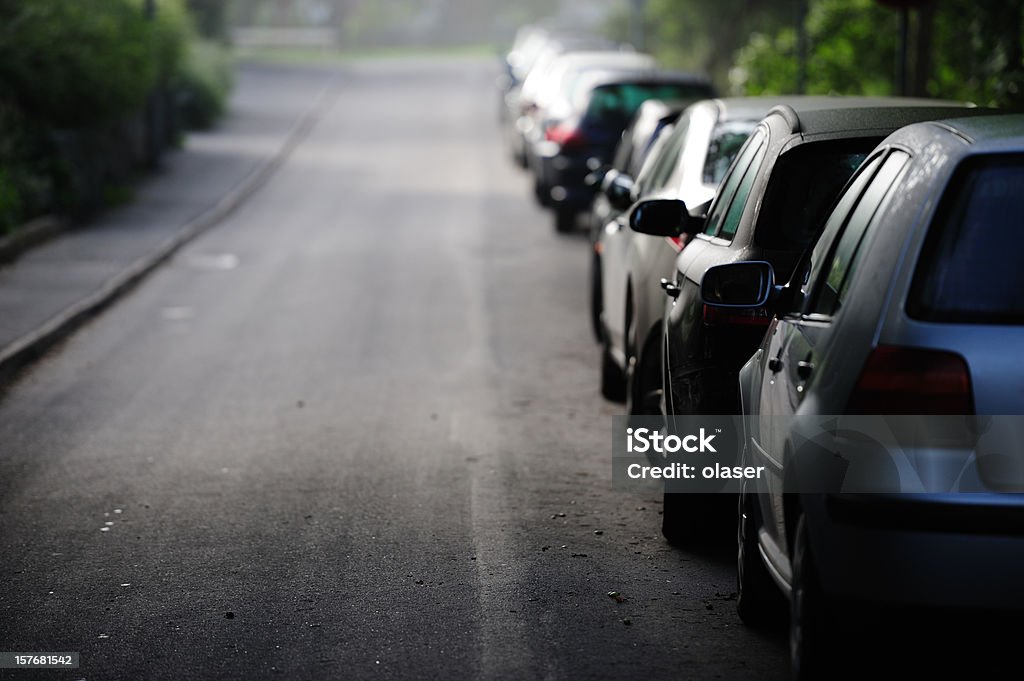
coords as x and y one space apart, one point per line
962 551
564 175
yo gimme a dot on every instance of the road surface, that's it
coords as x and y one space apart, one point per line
353 432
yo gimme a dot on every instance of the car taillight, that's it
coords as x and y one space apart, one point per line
566 136
736 316
898 380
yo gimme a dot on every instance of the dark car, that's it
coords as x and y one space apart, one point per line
908 310
599 110
770 206
689 166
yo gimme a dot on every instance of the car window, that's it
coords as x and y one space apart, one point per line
803 187
669 156
732 218
726 141
731 183
618 102
845 257
969 270
833 226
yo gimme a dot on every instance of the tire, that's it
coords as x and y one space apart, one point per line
684 518
758 600
613 383
809 620
596 298
565 220
643 382
542 193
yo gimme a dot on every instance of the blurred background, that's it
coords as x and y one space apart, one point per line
92 92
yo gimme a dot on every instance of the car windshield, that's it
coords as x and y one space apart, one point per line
803 187
969 270
618 102
726 141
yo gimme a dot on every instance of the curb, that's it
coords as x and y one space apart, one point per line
30 347
29 235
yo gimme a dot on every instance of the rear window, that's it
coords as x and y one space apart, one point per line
970 269
802 189
616 103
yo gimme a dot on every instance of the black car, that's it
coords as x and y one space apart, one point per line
601 107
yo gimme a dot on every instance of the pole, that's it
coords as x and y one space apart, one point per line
903 53
801 47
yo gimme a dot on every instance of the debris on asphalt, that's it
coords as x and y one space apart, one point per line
229 615
616 596
598 532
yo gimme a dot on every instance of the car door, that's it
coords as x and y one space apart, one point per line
682 316
618 236
799 342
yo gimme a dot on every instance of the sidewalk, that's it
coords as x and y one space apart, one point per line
47 292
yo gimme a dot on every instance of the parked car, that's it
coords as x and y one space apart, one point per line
651 125
602 106
908 304
550 99
689 166
770 207
531 71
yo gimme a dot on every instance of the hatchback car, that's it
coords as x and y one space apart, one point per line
770 207
602 105
909 304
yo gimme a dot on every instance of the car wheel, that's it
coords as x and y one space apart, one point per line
613 383
808 613
643 383
685 517
758 600
542 193
596 298
565 220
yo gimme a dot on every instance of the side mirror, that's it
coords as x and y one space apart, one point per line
738 284
619 190
662 217
597 176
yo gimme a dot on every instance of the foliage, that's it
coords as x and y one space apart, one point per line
204 83
703 35
968 50
852 47
76 77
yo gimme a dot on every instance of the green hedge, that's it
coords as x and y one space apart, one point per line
75 78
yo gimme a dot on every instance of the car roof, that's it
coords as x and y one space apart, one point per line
989 130
815 115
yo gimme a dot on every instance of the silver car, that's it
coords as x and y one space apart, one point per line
909 304
689 166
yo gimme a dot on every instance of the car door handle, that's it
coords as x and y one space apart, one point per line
670 288
804 369
775 365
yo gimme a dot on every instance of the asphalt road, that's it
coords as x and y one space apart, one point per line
353 432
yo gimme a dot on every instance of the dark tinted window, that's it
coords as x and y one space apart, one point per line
803 187
846 255
970 268
726 141
731 184
732 218
616 103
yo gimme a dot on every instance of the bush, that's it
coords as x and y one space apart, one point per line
204 83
